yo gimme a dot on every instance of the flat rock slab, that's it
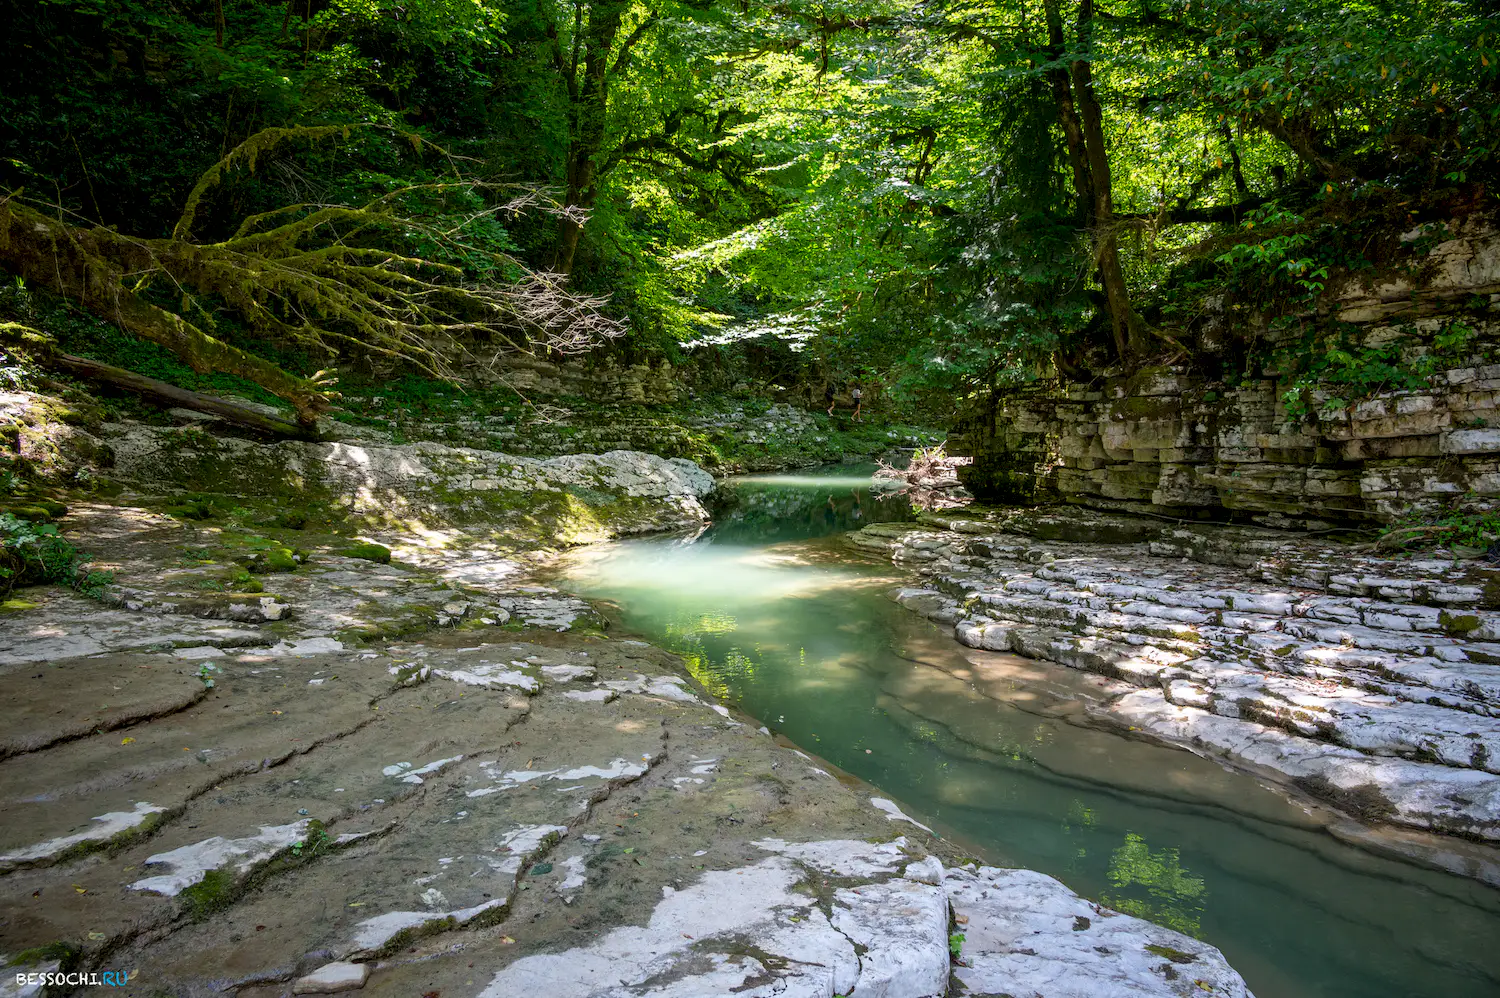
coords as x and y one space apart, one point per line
54 702
257 716
1025 933
65 625
331 978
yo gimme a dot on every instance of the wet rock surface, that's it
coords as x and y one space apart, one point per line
429 776
1370 683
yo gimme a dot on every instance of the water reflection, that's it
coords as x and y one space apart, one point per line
774 508
772 614
1153 885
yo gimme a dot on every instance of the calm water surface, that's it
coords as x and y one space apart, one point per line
773 614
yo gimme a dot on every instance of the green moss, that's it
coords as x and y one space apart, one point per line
276 559
407 674
66 954
243 582
1175 955
215 892
369 552
414 618
18 605
1457 625
32 512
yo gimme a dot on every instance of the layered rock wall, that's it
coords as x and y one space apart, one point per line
1173 441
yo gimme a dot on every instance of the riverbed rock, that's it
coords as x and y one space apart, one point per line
579 497
1371 683
331 978
366 797
1025 933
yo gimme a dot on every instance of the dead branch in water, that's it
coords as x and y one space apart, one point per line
927 478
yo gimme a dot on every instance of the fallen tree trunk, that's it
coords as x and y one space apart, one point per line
171 394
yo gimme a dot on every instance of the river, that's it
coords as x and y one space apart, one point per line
780 619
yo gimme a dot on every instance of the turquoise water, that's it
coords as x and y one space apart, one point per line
775 615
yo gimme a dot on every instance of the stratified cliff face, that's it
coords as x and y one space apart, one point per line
1171 440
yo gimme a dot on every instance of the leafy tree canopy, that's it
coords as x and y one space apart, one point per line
942 195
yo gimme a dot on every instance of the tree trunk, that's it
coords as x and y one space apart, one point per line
1062 92
1124 323
172 395
587 120
88 265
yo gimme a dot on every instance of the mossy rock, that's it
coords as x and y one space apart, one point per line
191 511
66 954
29 511
1457 624
1175 955
216 891
275 559
369 552
243 582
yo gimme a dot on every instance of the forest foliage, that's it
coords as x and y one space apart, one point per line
953 193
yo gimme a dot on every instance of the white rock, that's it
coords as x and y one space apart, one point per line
107 827
374 933
306 647
331 978
575 870
18 982
490 676
519 844
189 863
842 857
666 687
568 673
202 651
694 938
894 813
592 696
1028 934
925 871
903 929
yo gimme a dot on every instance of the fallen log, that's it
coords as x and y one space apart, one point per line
161 391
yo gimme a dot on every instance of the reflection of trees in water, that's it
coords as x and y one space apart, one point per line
1155 886
1149 885
704 622
761 513
684 634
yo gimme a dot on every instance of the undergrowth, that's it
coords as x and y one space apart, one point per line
1449 529
34 553
1350 372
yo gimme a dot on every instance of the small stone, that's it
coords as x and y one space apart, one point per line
332 978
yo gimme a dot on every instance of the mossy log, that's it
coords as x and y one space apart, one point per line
172 395
90 266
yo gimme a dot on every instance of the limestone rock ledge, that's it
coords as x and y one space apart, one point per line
1372 684
590 496
483 799
752 931
1176 440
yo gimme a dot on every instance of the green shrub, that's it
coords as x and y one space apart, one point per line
32 553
